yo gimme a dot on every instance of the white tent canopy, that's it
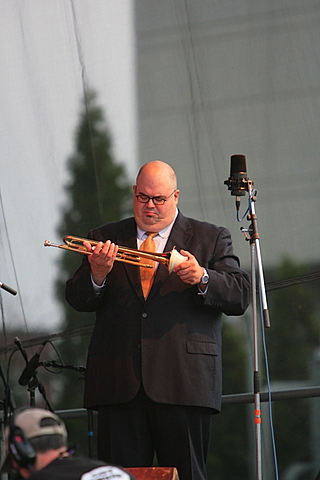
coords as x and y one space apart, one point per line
52 50
221 78
190 82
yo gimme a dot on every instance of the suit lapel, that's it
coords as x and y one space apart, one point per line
181 234
179 238
127 237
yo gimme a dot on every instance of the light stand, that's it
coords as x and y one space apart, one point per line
238 183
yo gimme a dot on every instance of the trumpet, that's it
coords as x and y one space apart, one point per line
127 255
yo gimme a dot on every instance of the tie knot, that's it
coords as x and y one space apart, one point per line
151 234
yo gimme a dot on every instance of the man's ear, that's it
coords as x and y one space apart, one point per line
176 195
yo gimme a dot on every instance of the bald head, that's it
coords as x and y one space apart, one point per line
159 170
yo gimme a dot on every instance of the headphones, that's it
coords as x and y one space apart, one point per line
20 446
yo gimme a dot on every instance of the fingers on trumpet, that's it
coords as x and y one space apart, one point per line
122 254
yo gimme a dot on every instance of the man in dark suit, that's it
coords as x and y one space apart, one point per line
154 363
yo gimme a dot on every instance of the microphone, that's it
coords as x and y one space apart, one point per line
17 342
8 289
31 367
238 180
238 176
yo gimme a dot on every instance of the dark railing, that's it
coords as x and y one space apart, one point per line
234 399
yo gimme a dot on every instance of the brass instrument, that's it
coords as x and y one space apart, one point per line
124 254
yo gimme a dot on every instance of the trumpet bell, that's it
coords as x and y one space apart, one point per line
175 259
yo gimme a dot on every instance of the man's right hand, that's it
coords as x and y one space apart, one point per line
101 259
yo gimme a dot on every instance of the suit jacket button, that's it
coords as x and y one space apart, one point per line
144 315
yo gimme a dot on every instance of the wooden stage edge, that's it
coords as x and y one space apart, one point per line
154 473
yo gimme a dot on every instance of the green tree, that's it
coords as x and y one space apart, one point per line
229 443
97 193
291 340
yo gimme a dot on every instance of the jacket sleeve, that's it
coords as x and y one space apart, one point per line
79 291
229 286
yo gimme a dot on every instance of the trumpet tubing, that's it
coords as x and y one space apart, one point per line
125 254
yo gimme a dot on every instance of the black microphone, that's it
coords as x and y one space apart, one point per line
31 367
8 289
237 182
22 350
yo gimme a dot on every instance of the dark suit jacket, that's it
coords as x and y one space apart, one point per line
172 341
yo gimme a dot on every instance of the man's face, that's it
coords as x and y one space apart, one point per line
149 216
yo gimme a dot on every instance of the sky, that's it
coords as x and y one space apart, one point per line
50 51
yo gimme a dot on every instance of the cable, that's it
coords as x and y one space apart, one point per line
59 357
13 266
87 97
245 213
274 450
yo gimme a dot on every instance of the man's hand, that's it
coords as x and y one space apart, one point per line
189 271
101 259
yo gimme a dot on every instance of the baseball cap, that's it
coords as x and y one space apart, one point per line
34 422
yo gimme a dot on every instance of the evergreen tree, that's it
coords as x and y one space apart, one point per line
97 193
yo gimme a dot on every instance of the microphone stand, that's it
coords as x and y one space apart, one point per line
33 384
82 370
252 235
8 404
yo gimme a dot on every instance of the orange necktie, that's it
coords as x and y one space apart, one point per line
147 274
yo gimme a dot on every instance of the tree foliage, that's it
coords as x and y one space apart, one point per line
229 441
97 193
291 341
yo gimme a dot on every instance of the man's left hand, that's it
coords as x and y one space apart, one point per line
189 271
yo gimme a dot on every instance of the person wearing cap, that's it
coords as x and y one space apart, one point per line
36 447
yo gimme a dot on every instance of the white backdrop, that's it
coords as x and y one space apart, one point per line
213 79
49 50
225 77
